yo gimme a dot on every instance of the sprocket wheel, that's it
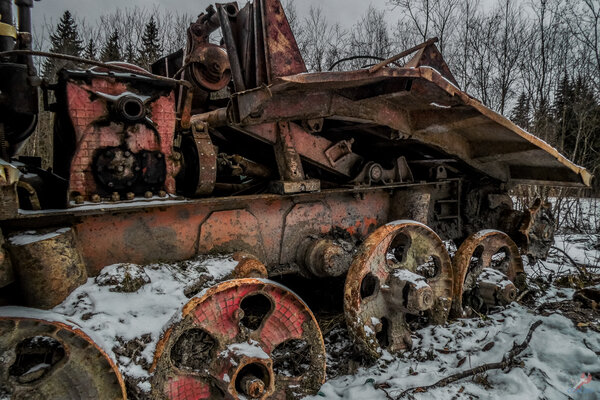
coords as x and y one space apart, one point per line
401 269
488 270
243 338
43 359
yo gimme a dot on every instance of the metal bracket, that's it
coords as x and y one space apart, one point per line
336 152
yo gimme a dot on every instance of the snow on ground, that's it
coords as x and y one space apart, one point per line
131 322
126 308
553 363
555 359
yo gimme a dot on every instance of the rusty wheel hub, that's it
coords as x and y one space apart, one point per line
488 271
41 359
244 338
401 269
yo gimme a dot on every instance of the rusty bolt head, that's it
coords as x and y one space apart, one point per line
79 199
115 196
162 193
253 386
376 172
95 198
148 195
130 196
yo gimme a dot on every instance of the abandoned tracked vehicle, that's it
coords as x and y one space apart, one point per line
362 175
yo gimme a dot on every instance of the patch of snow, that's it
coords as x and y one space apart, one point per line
29 237
494 277
249 349
405 275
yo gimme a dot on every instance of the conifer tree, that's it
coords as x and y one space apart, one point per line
90 50
151 48
521 112
129 53
64 40
112 48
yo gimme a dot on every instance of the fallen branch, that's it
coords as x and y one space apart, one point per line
522 295
508 361
580 268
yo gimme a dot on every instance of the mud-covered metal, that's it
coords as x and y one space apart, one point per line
48 265
488 270
45 359
244 338
249 266
401 269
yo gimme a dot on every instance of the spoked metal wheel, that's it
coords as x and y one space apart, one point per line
401 269
43 359
488 270
244 338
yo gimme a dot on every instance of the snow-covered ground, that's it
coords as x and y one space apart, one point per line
127 316
559 353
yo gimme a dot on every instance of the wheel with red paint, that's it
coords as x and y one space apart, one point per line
41 358
401 272
488 270
243 338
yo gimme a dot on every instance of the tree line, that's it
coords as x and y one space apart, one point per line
537 62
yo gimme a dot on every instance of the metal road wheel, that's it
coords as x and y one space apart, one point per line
43 359
488 270
401 269
244 338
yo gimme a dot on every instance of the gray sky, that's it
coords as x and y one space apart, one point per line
344 11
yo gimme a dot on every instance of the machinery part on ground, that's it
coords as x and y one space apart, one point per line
243 338
532 229
45 359
401 269
488 270
48 265
249 266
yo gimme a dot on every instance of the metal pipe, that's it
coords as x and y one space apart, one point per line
24 19
214 119
234 59
7 41
382 64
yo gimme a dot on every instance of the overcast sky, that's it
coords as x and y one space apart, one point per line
343 11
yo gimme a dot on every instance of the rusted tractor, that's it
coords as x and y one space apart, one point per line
366 176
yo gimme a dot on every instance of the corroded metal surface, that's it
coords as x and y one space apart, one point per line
7 274
48 265
232 342
401 268
488 249
421 104
249 266
43 359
